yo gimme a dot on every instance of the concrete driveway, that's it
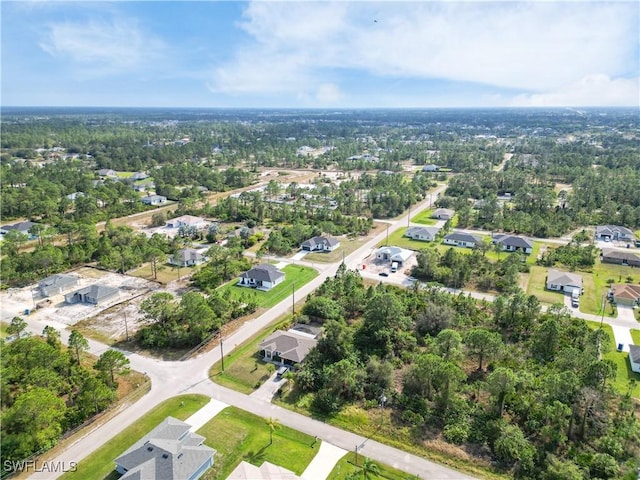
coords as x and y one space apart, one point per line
269 388
626 313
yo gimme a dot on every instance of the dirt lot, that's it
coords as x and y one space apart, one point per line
373 265
107 319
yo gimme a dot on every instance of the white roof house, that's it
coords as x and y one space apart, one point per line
563 281
394 254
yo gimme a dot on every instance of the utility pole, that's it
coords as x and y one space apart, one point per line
409 217
221 354
293 299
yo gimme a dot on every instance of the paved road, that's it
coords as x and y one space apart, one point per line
173 378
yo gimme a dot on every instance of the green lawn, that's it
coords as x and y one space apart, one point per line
621 360
635 335
537 283
347 246
397 239
244 368
424 217
294 274
166 273
238 435
346 465
100 464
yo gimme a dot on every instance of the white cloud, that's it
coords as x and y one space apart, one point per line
103 47
297 46
592 90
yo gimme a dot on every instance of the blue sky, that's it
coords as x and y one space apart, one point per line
307 54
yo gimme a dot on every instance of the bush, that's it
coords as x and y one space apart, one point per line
457 433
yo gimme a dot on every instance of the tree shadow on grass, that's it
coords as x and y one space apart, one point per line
257 458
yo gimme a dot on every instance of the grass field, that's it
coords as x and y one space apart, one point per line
397 239
238 435
347 246
346 465
621 359
635 335
294 274
100 464
3 329
166 273
537 283
244 368
424 217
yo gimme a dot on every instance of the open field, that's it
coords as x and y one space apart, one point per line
244 368
100 465
347 465
166 272
424 217
624 374
295 277
238 435
537 283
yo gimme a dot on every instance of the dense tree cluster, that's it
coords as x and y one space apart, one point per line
528 385
48 389
455 269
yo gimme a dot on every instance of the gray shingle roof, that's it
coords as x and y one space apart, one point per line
462 237
290 345
563 278
264 272
55 283
424 231
610 229
634 353
513 241
168 452
312 242
620 255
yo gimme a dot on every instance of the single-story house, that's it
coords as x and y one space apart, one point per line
266 471
154 200
107 172
620 257
186 221
138 176
431 168
56 284
264 277
563 281
290 347
513 243
625 294
634 357
94 294
74 196
393 254
169 452
613 232
320 244
443 214
186 257
22 227
425 234
143 187
460 239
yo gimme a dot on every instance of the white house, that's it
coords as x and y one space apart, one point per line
613 232
563 281
431 168
460 239
187 257
393 254
512 243
634 357
263 277
424 234
443 214
320 244
186 221
154 200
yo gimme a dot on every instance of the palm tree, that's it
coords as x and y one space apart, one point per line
369 469
273 424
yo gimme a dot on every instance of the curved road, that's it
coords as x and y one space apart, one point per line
170 378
